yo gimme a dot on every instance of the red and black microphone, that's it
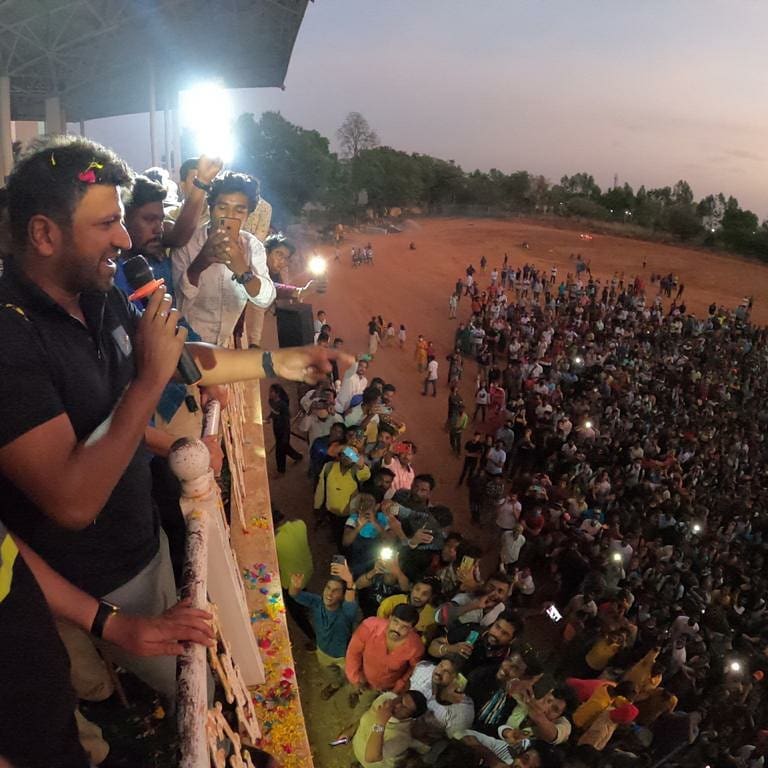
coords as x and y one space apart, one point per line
142 280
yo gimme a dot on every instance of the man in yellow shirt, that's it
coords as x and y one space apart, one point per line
605 696
422 595
337 484
293 556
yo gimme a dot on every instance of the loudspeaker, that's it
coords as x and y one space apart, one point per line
295 325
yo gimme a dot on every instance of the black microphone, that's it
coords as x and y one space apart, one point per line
142 280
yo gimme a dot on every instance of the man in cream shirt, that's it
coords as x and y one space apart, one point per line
216 274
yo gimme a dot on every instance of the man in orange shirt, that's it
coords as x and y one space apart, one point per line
383 652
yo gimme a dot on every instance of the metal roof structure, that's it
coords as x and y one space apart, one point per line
99 56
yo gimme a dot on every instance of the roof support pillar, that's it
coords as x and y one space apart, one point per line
152 113
6 144
53 115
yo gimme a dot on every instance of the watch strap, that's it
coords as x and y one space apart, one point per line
378 728
246 277
103 612
266 364
201 185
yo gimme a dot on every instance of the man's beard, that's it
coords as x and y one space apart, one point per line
82 277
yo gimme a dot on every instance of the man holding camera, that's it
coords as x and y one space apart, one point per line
223 267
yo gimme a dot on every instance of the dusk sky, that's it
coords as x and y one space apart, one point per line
653 91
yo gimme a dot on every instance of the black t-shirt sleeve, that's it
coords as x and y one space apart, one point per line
27 390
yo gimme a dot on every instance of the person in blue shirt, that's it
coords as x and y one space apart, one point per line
333 615
365 530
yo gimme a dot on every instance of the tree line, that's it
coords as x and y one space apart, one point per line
297 167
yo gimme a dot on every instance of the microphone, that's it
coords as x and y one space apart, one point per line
142 280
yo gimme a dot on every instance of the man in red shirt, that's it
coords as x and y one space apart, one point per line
383 652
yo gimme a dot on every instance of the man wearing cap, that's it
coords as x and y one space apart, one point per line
337 483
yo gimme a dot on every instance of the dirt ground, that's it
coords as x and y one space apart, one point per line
412 287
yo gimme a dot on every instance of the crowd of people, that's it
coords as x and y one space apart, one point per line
615 458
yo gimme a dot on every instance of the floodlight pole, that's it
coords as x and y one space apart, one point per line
152 111
53 115
6 143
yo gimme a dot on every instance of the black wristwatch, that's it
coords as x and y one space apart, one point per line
266 364
245 278
201 185
104 611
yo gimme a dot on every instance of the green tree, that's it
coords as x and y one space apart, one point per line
294 165
581 185
682 220
589 209
619 200
682 193
391 178
739 227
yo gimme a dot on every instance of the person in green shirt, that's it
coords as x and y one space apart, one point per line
294 556
458 424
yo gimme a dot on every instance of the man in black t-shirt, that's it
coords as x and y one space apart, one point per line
473 451
81 373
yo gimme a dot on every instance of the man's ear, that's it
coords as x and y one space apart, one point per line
44 235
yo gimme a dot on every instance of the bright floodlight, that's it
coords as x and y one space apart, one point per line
317 265
206 112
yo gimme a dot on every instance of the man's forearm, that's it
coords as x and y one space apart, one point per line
449 612
178 235
223 366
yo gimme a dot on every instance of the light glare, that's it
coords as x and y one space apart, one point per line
206 112
317 265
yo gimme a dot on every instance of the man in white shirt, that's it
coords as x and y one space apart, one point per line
353 383
449 711
216 274
431 380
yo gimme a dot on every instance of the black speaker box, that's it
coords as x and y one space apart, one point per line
295 325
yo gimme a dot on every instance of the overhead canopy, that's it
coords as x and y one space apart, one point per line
97 55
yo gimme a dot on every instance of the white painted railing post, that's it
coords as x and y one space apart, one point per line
190 462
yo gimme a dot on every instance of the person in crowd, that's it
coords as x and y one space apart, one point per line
449 710
280 416
478 646
337 483
491 688
383 735
430 381
333 617
222 268
294 555
480 607
279 251
473 451
422 596
399 459
383 653
353 383
457 425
